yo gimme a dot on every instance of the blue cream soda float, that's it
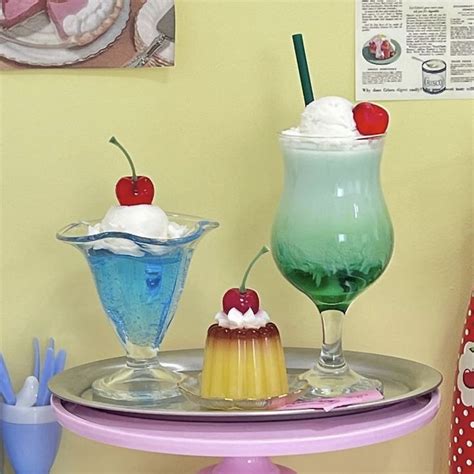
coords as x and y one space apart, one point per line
139 256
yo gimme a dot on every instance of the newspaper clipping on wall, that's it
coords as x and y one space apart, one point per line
414 49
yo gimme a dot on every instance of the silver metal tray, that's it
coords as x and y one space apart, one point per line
403 379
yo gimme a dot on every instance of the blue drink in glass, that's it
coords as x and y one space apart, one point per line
140 294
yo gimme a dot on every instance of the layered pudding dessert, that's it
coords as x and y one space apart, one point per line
243 363
243 356
77 22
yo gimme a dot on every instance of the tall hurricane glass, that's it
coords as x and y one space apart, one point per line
332 238
139 281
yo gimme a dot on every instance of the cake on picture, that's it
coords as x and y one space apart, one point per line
381 47
77 22
87 33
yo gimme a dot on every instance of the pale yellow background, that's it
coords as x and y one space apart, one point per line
206 132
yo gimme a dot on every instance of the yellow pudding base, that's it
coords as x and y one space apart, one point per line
243 364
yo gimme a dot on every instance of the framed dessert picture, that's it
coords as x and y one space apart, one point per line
86 33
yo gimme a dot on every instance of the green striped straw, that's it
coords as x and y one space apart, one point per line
303 68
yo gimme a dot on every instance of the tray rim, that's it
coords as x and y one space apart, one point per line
64 394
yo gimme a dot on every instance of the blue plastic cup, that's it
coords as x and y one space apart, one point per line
31 436
1 438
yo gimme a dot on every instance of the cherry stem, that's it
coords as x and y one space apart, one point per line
263 251
115 142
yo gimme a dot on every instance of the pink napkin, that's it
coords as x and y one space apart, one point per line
327 404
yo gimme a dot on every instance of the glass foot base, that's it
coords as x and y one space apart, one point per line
191 389
138 386
336 382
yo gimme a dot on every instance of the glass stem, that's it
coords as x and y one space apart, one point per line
332 356
137 364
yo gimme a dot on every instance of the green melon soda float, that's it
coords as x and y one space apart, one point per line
332 236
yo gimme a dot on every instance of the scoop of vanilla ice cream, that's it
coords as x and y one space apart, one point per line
143 220
328 117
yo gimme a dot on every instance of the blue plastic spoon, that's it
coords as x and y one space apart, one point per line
6 386
60 361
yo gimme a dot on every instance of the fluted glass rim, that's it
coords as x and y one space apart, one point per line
201 226
285 134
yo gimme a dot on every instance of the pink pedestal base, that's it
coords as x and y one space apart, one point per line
246 466
245 447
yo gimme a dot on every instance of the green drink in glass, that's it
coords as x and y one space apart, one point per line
332 238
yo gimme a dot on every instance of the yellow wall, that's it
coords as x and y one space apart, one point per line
205 131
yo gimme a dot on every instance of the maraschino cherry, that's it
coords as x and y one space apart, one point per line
133 190
243 298
370 119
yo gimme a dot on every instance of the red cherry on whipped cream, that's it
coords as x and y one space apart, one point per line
370 119
132 190
243 298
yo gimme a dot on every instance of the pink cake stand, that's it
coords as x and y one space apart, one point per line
246 447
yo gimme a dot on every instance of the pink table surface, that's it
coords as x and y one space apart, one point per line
251 441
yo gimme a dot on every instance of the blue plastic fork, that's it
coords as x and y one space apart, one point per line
6 387
48 371
50 343
37 361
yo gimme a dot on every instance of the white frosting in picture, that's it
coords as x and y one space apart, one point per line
143 220
237 320
378 47
89 18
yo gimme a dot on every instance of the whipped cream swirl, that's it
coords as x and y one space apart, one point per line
237 320
89 18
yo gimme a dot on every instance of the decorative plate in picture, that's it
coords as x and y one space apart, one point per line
146 31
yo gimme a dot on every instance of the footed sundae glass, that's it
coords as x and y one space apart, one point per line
139 281
332 238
